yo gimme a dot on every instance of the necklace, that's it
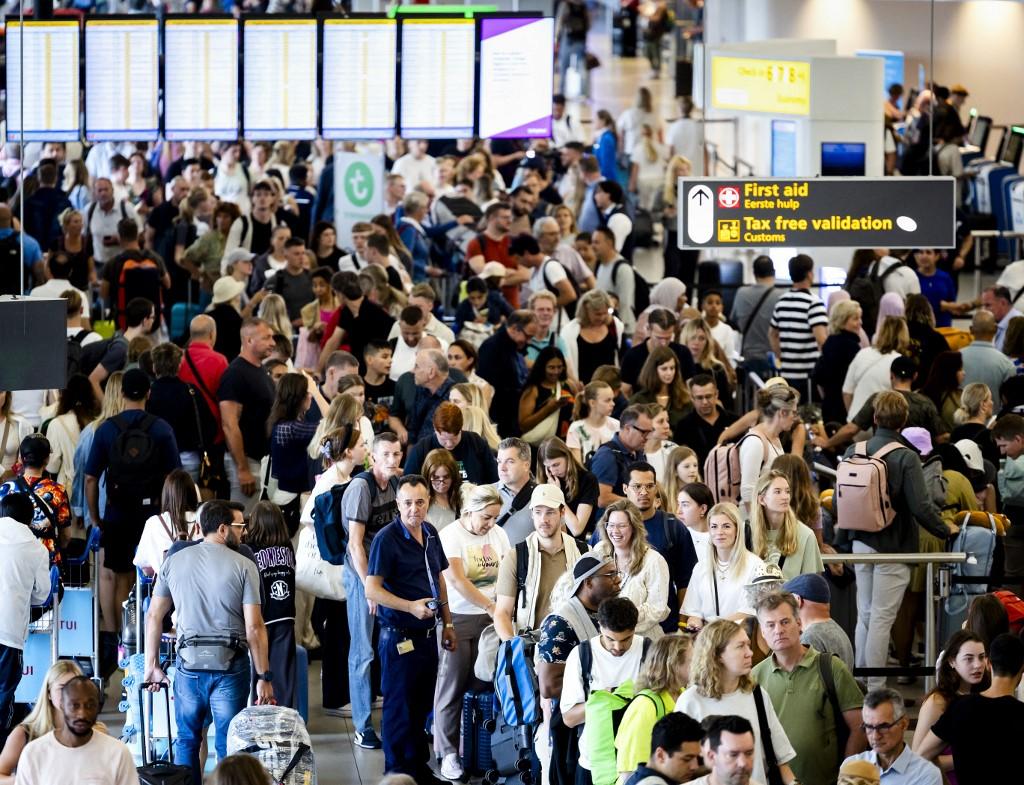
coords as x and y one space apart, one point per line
721 567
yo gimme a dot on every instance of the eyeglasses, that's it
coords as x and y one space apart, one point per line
613 574
645 432
880 728
643 486
242 525
615 527
440 480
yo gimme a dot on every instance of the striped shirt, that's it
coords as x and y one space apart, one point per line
796 315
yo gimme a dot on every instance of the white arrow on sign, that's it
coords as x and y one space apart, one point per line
700 214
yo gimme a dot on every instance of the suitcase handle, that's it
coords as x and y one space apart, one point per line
160 685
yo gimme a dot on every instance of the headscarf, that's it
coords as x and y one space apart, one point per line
891 304
841 295
665 294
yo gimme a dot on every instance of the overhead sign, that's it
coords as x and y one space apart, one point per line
837 212
358 191
750 84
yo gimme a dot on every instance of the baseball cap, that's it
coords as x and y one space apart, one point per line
958 89
35 450
494 270
920 438
589 564
547 495
766 572
135 384
811 587
972 454
903 368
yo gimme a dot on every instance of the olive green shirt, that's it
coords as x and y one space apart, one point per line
805 712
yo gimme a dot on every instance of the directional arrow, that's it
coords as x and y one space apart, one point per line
700 215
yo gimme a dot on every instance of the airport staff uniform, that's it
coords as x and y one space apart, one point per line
408 646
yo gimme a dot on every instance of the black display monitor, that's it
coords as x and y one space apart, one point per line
978 137
843 159
1013 147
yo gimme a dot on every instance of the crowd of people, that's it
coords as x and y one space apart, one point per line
515 436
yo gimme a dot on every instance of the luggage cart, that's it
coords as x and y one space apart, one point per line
80 622
42 646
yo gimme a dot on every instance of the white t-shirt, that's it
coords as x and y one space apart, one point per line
630 126
53 289
155 541
647 170
741 704
233 186
416 170
726 338
732 598
902 281
90 338
659 460
481 555
554 272
700 543
868 374
607 673
585 438
100 761
332 475
684 137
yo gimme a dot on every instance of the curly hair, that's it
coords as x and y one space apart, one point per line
660 671
638 543
706 669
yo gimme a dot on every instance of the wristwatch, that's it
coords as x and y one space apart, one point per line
266 676
449 626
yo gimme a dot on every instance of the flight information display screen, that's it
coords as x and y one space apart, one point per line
360 60
200 78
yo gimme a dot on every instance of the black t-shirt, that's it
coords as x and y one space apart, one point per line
633 362
372 322
382 393
261 233
297 291
250 386
983 733
276 564
700 435
587 491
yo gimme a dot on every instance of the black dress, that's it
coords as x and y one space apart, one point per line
929 344
837 353
593 355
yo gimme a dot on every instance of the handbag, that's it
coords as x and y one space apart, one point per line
547 427
212 474
314 575
486 654
271 491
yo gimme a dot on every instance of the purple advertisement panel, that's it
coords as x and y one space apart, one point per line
516 77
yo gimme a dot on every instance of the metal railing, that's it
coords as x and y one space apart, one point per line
929 560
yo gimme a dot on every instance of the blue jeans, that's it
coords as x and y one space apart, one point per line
360 653
566 50
197 696
190 463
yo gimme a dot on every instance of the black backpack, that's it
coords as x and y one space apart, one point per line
10 265
867 291
91 355
641 289
75 352
134 469
643 229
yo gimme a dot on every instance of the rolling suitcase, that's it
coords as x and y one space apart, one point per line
477 719
163 772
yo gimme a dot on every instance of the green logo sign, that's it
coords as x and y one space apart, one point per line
358 184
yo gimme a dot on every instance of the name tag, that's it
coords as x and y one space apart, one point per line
404 647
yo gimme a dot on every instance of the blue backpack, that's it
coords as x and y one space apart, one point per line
515 684
979 543
331 534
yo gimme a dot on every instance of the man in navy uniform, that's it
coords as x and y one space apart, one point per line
405 584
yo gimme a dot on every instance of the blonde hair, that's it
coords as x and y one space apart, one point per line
659 672
274 312
638 543
650 151
672 482
738 558
774 399
43 717
842 312
894 335
707 357
759 524
478 497
475 419
344 410
668 192
708 676
471 393
972 399
594 300
572 216
113 399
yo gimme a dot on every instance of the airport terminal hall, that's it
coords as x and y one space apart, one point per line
511 392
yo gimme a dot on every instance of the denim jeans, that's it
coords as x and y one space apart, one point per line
190 463
10 677
236 488
199 695
880 589
360 653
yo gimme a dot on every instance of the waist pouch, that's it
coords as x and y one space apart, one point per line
210 653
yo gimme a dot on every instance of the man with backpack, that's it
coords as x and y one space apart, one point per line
11 261
132 274
800 681
666 534
369 504
137 451
604 662
752 315
615 275
51 513
102 358
595 580
612 459
102 220
252 229
882 521
546 274
675 752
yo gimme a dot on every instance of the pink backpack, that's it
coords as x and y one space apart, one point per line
862 490
722 469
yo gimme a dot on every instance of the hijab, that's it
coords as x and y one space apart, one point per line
891 304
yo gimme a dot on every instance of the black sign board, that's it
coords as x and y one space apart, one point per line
837 212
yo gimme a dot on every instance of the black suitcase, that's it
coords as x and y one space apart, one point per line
477 719
511 747
162 772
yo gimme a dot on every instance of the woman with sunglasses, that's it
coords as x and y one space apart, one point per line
644 571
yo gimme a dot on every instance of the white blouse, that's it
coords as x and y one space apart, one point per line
867 375
158 536
648 591
732 598
63 434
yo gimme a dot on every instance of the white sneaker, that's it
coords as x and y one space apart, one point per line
451 767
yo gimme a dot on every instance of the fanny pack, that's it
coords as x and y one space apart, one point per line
200 653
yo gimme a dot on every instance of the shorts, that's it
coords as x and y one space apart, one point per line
119 541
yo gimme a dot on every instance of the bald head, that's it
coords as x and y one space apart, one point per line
983 325
429 342
203 329
5 217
